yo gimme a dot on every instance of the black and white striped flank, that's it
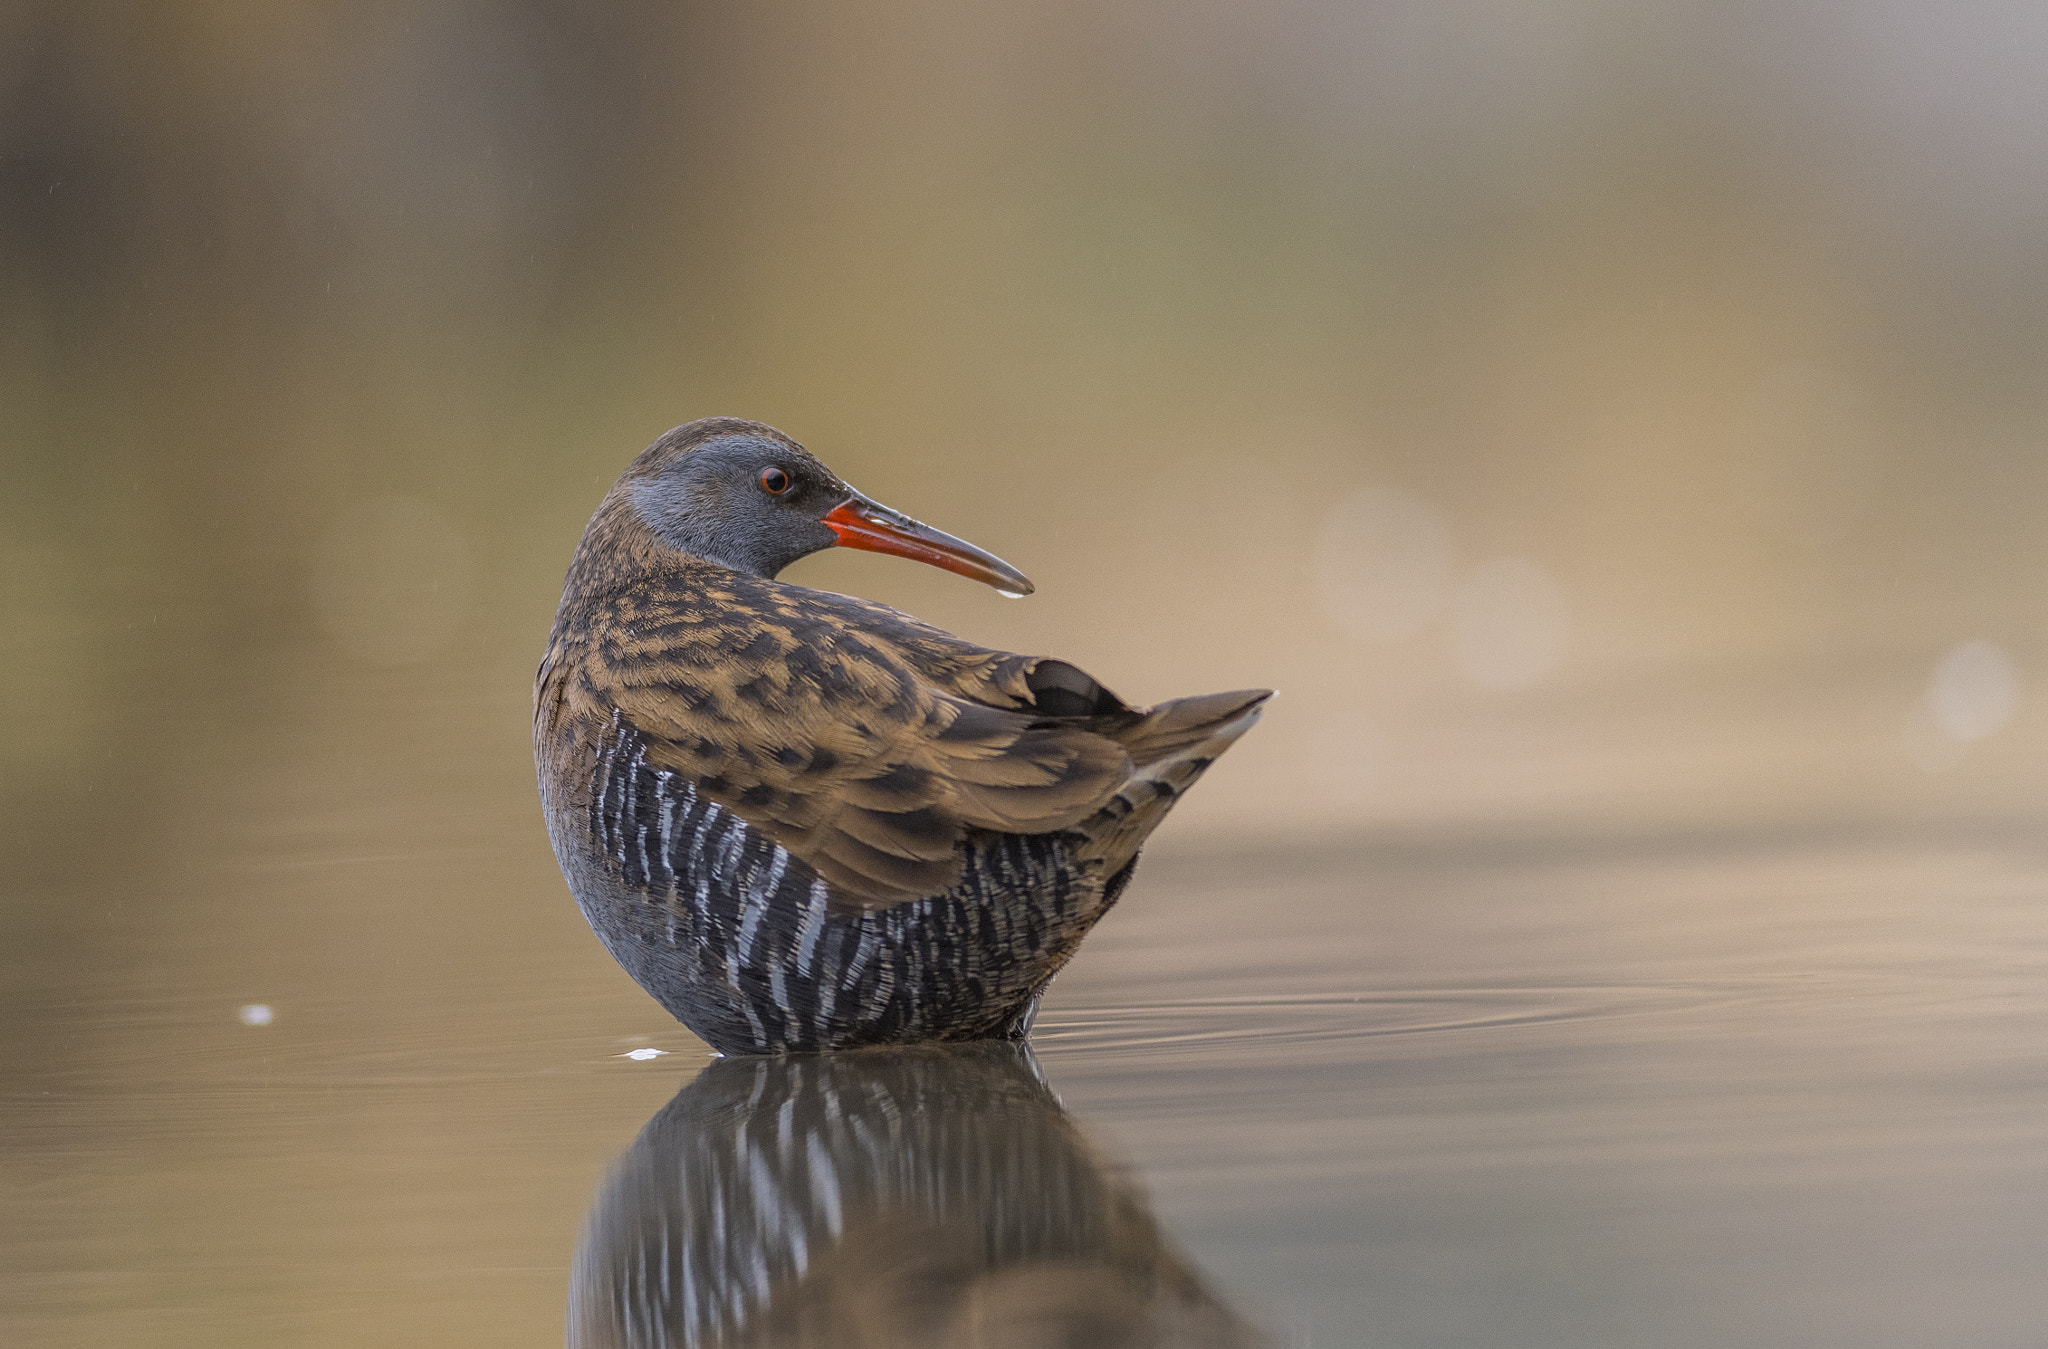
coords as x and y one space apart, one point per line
737 936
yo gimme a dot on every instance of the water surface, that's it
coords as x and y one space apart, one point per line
1761 1088
1621 441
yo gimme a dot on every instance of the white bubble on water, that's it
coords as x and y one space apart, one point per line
256 1014
1974 692
642 1055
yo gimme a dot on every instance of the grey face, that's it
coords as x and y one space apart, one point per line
743 501
745 496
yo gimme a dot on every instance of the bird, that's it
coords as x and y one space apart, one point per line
806 821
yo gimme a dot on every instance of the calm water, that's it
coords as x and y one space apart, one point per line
1747 1089
1619 436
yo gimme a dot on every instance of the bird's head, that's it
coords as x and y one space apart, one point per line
746 496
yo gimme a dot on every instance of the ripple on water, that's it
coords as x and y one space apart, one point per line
1218 1027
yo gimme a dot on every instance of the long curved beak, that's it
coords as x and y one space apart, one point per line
861 523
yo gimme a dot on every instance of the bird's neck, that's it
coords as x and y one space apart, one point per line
619 551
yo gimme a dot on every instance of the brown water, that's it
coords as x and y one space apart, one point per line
1618 431
1759 1088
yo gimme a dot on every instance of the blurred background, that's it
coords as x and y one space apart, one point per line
1618 420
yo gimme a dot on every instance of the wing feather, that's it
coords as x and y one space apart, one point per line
863 741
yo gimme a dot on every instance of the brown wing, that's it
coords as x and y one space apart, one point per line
863 741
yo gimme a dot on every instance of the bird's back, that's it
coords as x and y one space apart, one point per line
802 820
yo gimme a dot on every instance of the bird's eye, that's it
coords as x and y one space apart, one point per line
775 482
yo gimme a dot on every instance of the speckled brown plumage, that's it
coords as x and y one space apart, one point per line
804 820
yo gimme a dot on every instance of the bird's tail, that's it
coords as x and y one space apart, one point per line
1170 746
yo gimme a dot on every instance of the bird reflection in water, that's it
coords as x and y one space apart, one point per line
921 1196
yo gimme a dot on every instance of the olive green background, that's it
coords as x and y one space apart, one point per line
1605 420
